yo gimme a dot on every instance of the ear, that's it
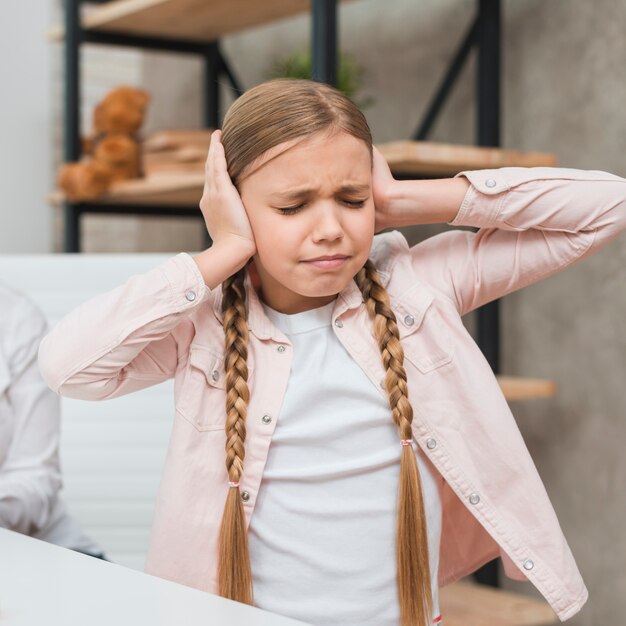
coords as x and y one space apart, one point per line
254 274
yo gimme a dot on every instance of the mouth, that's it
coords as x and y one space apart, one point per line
328 262
328 257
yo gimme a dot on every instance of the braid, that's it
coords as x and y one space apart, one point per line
234 570
413 566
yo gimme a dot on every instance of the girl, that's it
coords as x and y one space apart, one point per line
387 477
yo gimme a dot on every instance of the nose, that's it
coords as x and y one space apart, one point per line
327 222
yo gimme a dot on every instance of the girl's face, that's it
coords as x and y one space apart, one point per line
308 198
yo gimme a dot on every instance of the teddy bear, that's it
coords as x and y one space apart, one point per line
112 153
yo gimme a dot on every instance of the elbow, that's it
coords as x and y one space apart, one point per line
614 217
51 368
48 365
83 384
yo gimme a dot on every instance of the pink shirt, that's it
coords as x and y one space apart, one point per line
167 323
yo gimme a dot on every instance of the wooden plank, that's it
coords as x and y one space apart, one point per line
184 188
163 140
465 603
445 160
521 388
189 20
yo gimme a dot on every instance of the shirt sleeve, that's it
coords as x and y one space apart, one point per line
123 340
30 477
532 222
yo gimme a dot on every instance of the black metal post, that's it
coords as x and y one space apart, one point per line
213 63
447 83
488 134
225 68
324 41
488 76
211 102
71 120
488 131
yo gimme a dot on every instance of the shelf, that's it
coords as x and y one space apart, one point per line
417 158
182 189
465 603
446 159
184 20
521 388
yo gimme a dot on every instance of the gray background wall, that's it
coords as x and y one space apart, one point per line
563 91
25 129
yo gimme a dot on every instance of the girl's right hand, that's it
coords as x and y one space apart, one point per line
224 213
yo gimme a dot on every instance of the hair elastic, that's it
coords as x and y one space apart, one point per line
406 442
231 484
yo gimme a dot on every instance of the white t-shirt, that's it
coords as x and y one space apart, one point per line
323 532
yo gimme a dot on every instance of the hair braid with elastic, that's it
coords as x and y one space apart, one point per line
234 571
413 566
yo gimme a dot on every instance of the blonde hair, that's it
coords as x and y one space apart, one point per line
263 117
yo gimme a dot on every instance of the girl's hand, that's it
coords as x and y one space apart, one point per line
383 184
224 213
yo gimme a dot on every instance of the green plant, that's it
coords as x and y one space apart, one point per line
298 65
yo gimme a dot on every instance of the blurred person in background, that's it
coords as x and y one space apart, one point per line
30 421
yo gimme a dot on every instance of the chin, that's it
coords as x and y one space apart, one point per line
328 288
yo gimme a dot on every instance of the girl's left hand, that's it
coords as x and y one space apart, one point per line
383 184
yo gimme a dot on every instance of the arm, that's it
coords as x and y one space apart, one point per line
533 222
30 476
124 340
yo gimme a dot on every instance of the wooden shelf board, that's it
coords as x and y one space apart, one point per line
466 603
522 388
404 157
187 20
182 189
446 160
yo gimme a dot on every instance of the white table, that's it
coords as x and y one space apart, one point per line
41 583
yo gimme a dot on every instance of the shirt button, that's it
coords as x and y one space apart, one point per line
281 348
245 496
430 443
408 320
190 295
474 498
215 374
490 182
528 564
266 419
339 323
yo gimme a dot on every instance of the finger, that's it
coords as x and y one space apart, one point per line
210 151
222 176
221 166
210 162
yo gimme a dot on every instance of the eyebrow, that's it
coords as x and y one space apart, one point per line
305 191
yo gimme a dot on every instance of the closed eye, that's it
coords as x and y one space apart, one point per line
294 209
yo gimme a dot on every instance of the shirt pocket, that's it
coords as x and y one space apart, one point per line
427 341
202 397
